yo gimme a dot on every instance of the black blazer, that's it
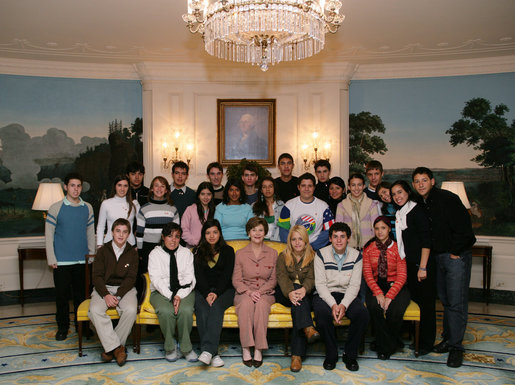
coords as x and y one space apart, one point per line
217 279
418 234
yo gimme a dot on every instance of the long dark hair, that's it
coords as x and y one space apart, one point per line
384 206
238 184
128 196
210 205
386 221
260 207
406 187
204 252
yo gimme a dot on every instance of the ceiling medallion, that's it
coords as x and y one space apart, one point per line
263 32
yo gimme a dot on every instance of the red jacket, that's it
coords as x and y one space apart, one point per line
397 272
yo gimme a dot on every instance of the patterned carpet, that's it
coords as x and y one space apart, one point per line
30 355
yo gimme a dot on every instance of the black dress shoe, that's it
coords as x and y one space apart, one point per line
257 363
382 356
61 335
455 359
424 351
329 365
442 347
350 363
248 362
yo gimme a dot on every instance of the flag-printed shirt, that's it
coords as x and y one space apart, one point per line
315 216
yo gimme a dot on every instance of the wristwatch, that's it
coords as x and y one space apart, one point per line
422 268
118 297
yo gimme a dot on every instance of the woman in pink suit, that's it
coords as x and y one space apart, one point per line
254 280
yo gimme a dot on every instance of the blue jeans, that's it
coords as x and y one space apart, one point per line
452 284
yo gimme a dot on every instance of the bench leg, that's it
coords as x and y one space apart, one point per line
417 337
286 341
79 332
137 338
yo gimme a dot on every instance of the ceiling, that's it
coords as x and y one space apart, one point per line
134 31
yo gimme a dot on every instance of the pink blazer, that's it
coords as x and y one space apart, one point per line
251 273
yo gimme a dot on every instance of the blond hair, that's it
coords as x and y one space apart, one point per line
309 253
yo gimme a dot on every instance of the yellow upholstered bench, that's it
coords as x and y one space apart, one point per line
280 316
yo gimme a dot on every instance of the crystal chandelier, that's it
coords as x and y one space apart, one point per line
263 32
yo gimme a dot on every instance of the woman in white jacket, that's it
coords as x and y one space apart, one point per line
172 280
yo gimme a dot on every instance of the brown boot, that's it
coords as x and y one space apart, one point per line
296 363
107 357
311 334
120 355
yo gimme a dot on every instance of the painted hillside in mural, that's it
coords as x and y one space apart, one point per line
460 127
51 126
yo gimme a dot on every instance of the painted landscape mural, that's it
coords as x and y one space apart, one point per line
460 127
51 126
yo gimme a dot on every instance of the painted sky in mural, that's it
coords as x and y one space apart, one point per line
417 112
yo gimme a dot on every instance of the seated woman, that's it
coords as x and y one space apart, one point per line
267 206
214 265
388 209
387 298
359 212
197 214
296 279
233 213
336 193
114 275
172 280
254 280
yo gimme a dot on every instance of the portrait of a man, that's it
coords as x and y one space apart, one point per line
247 132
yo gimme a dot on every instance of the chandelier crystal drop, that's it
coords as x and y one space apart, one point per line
263 32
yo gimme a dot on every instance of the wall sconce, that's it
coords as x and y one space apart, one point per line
47 195
315 152
171 152
457 188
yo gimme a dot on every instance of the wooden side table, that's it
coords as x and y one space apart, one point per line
485 252
26 252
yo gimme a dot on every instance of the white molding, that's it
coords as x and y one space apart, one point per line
67 69
436 68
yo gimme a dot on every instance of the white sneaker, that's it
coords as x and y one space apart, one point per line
191 356
217 361
172 356
205 358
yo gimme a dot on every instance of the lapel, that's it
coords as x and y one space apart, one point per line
347 206
365 206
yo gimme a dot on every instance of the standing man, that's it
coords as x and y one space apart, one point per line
69 237
374 172
338 269
323 173
306 210
215 174
250 178
286 183
114 275
181 194
451 242
136 173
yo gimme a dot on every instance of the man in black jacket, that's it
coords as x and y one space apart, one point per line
451 242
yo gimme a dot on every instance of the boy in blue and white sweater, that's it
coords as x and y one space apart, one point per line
69 236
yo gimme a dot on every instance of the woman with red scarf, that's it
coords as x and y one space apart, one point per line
387 298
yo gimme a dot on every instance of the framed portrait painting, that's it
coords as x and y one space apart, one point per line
246 129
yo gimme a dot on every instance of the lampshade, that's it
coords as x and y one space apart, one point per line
457 188
48 194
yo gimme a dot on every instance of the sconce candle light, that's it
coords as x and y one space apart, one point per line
310 155
171 152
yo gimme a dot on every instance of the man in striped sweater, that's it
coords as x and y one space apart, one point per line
69 237
338 271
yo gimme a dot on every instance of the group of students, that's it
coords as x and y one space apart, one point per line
341 252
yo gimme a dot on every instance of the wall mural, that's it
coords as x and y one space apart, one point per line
51 126
461 127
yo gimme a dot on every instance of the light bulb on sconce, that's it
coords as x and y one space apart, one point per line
311 154
171 153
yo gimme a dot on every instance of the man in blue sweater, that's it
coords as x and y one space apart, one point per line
69 236
182 195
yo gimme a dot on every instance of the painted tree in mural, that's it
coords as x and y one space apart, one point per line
488 132
362 139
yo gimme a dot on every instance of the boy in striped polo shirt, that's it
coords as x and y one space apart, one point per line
69 237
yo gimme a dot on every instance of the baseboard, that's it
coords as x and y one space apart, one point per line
30 296
503 297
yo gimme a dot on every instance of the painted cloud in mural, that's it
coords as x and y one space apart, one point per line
22 156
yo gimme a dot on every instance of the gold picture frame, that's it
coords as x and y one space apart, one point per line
246 129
